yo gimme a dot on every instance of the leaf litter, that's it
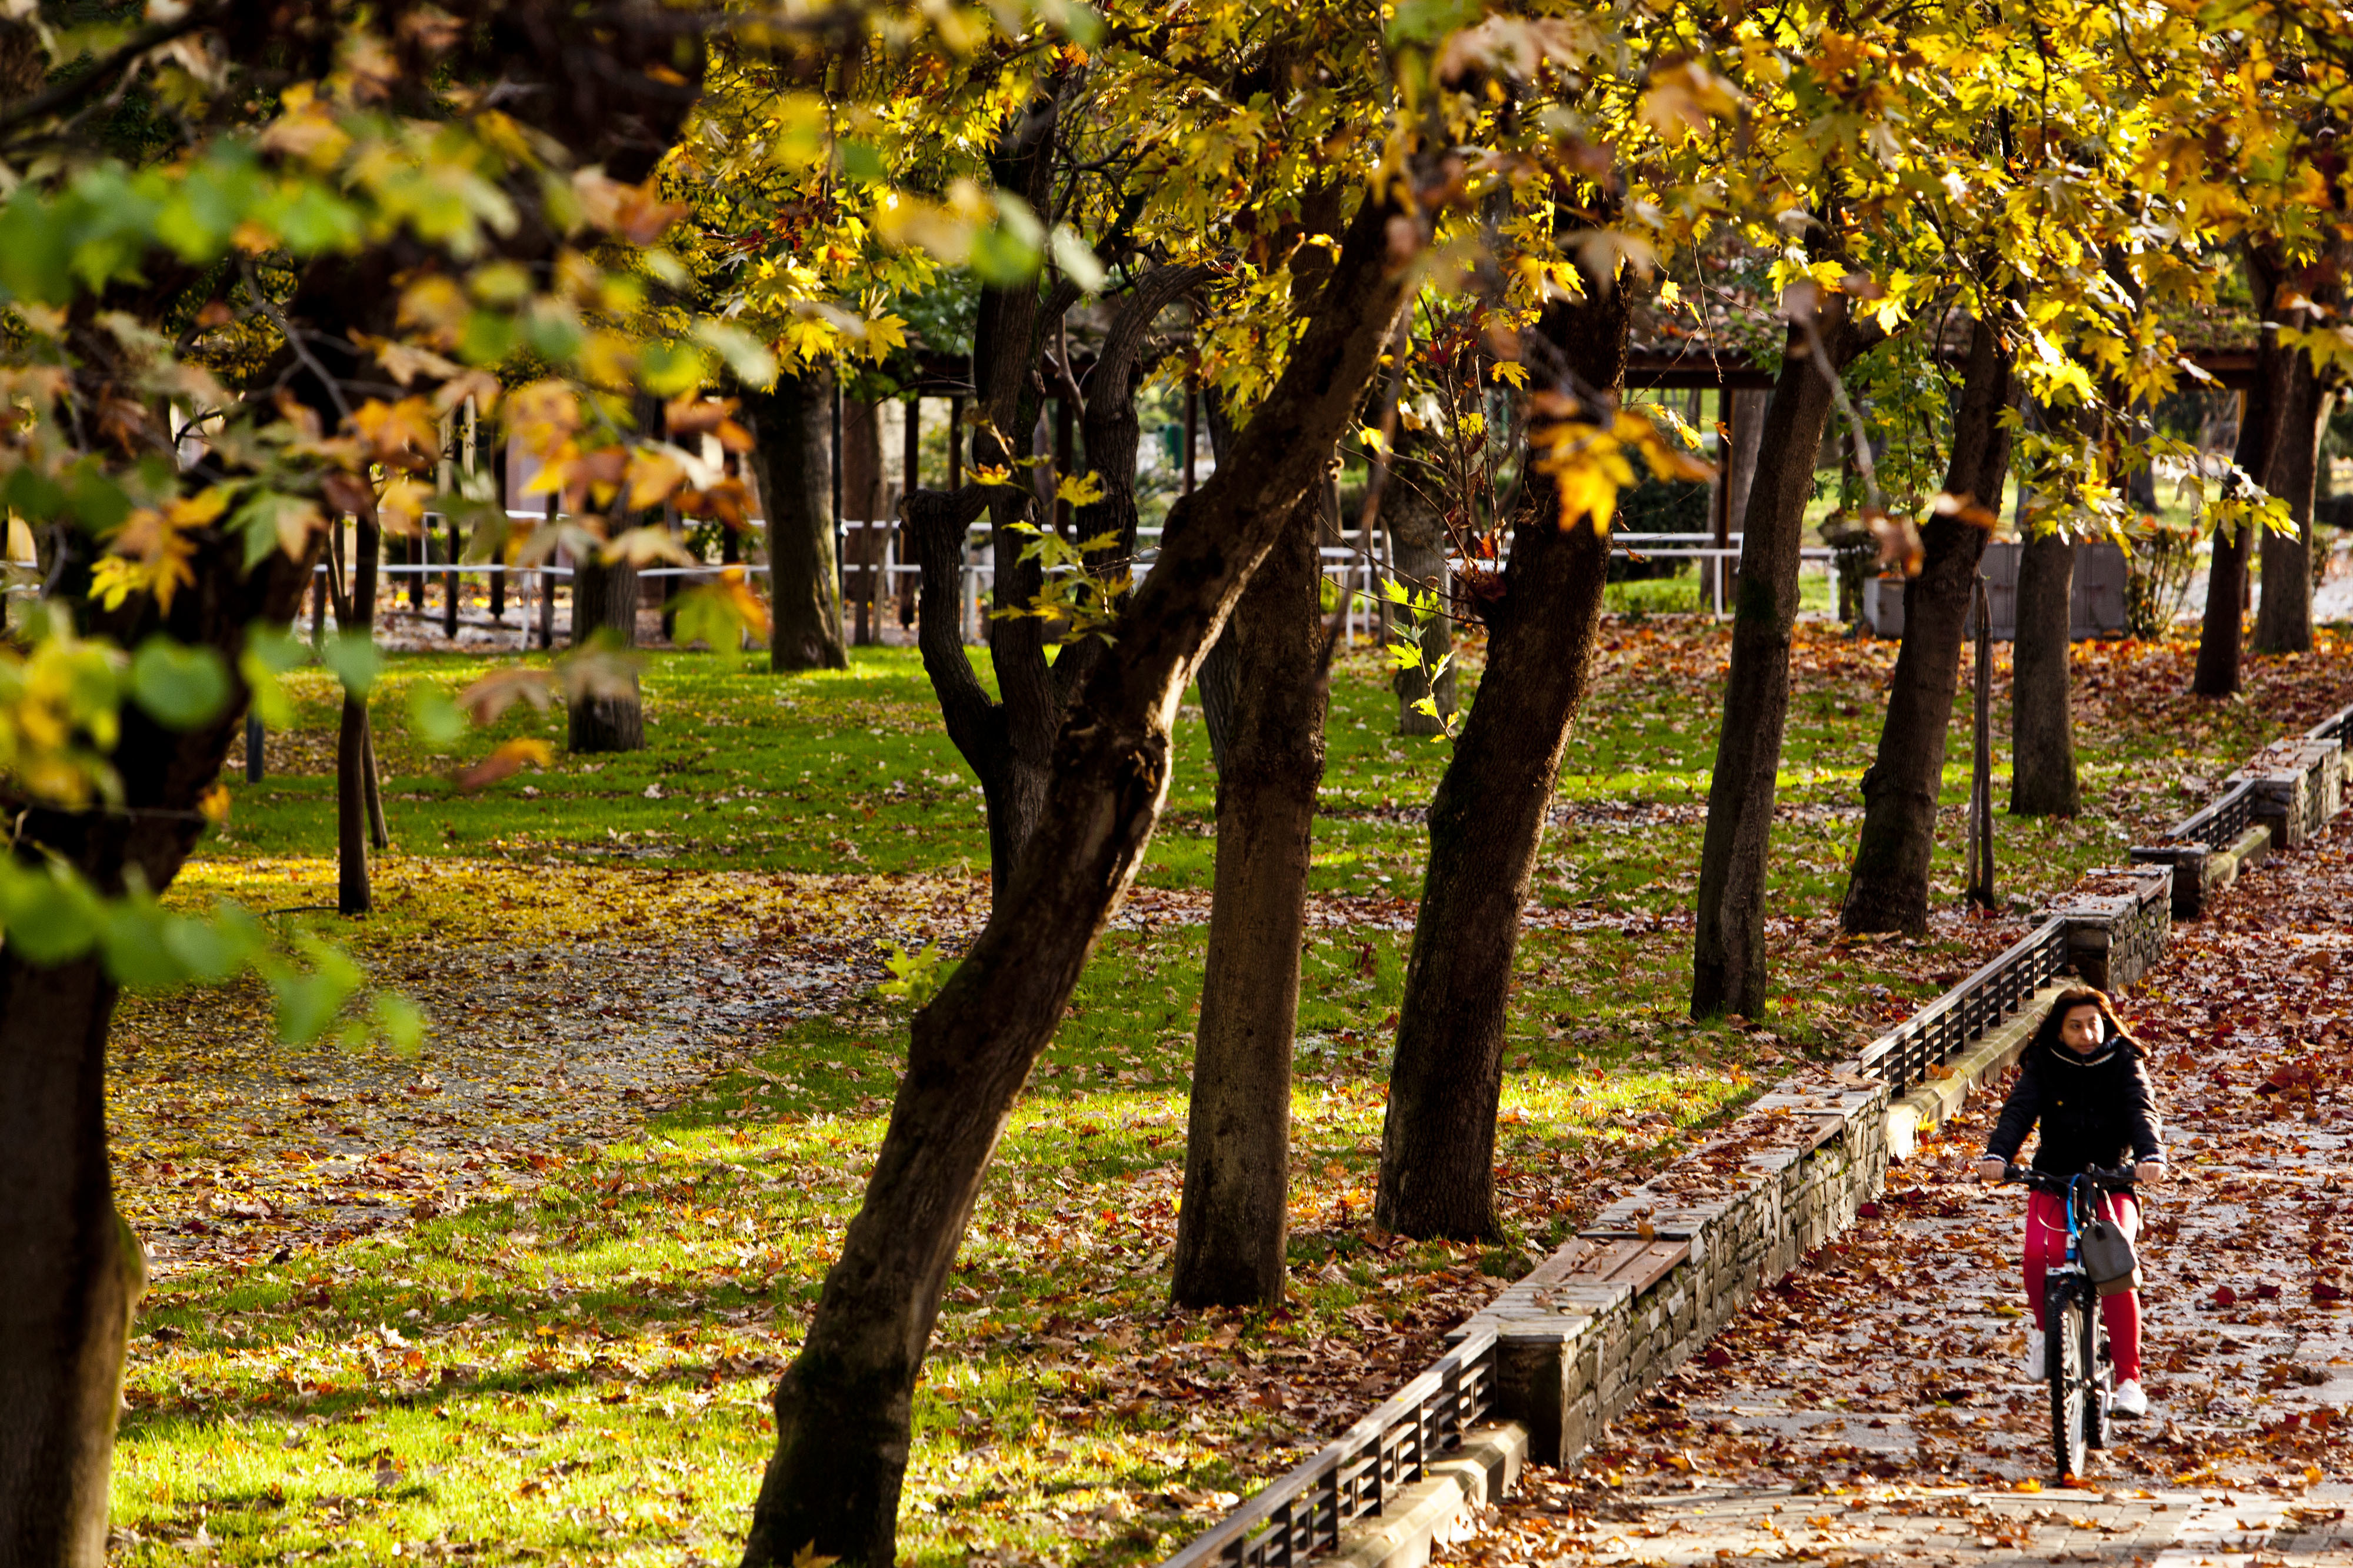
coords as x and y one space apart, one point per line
1869 1407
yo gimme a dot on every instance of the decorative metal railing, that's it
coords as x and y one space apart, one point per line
2336 727
1960 1017
1302 1515
2220 822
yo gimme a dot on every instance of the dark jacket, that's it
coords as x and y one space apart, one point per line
2098 1110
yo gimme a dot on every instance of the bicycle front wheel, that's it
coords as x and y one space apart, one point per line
2095 1374
2062 1317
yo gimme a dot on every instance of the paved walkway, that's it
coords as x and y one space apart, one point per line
1870 1408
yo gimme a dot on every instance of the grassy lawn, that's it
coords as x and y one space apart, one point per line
409 1308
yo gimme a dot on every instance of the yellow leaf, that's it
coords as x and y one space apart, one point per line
214 804
510 757
1081 490
1512 373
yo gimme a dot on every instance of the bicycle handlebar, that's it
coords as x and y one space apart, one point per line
2118 1180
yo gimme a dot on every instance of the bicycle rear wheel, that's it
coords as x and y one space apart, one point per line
2095 1374
2062 1317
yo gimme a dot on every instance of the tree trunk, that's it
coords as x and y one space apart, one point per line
843 1407
2261 429
74 1270
861 503
791 426
379 826
2042 727
1486 824
1728 967
1418 538
605 598
2284 618
1220 673
1008 739
1749 410
1888 887
354 775
501 479
1234 1224
75 1267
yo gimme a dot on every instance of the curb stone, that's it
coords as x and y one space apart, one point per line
1441 1508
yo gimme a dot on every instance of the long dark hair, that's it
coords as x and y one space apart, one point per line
2046 1033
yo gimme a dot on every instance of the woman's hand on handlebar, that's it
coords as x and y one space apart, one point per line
1992 1169
2149 1171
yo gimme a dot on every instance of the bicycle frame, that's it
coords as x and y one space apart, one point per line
2073 1332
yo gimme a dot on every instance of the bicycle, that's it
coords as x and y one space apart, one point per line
2074 1337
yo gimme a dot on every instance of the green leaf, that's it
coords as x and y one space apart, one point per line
402 1022
182 687
435 716
353 659
269 652
49 914
861 161
308 1002
742 353
1009 250
1080 24
1427 21
1077 260
137 955
670 369
212 949
705 617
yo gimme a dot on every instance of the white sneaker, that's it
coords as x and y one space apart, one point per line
2036 1371
2128 1400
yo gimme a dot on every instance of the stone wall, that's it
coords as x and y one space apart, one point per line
2118 922
1663 1269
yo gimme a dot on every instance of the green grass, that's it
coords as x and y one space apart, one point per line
574 1367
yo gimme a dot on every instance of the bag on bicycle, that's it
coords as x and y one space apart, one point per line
2108 1257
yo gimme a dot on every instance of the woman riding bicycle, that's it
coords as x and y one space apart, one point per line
2086 1081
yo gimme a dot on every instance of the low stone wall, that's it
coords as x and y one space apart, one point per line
1660 1270
2118 922
1663 1269
2299 784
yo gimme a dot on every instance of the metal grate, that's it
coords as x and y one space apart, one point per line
1302 1515
2336 727
1961 1017
2220 823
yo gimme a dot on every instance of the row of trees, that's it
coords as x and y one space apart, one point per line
257 255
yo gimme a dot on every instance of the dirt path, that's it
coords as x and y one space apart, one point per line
1870 1408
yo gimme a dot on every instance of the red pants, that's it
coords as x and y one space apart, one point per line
2046 1248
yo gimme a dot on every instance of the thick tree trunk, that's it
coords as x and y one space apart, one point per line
73 1268
1887 888
605 599
1234 1224
843 1407
1418 538
358 801
1486 824
1728 965
2042 726
2261 429
2284 616
792 424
